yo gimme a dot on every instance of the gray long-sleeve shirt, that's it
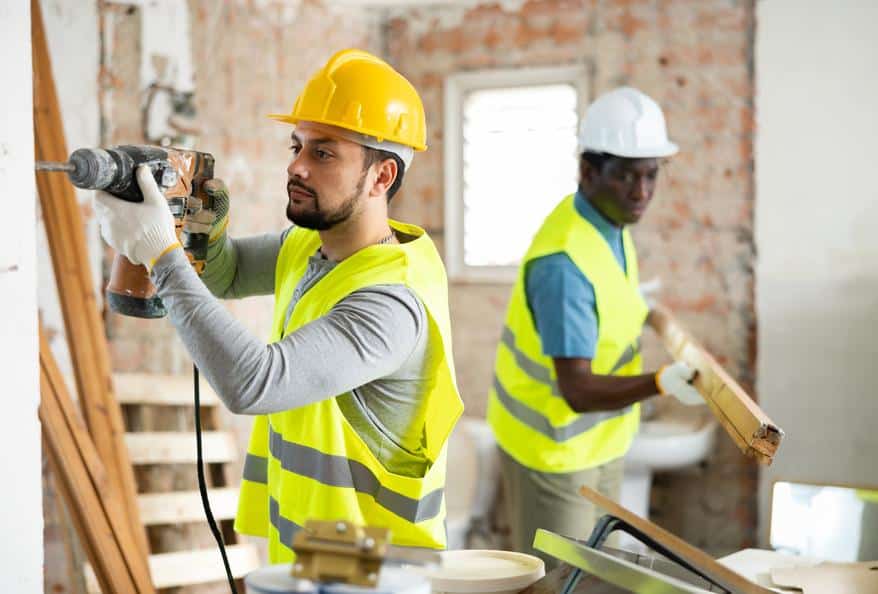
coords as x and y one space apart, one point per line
371 346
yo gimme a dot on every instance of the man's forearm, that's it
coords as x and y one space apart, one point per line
242 267
364 337
585 391
609 392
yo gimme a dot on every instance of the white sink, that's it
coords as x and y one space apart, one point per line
676 436
673 436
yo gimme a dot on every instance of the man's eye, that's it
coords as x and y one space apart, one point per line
322 155
295 148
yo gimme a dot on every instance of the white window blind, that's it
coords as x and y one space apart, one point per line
514 159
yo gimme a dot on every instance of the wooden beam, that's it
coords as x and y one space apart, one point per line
748 426
188 568
160 390
178 507
82 322
695 557
93 501
172 447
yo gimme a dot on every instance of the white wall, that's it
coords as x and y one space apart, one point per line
817 238
21 514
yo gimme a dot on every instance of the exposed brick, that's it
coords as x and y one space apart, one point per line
694 58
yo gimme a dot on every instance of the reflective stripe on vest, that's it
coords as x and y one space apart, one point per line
338 471
309 462
531 420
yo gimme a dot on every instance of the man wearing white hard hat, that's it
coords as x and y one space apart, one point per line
353 395
567 377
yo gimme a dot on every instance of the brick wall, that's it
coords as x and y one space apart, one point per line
250 59
695 59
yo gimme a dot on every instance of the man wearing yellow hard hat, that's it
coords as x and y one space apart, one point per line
564 405
354 393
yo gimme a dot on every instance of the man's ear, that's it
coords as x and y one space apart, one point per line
386 172
587 173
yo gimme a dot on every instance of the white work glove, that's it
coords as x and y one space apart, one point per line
650 291
140 231
676 380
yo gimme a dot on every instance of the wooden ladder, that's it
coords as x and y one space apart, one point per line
160 435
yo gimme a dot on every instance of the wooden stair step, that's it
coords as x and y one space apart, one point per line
173 447
185 506
166 390
187 568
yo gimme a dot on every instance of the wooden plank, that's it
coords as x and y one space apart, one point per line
98 512
82 322
748 426
188 568
185 506
198 567
161 390
170 447
695 557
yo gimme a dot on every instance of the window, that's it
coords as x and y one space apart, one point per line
510 157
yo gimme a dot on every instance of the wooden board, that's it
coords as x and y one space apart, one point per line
695 557
171 447
84 328
160 390
95 505
188 568
185 506
748 426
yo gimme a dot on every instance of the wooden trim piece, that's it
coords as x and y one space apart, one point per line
187 568
82 322
748 426
197 567
94 504
720 574
185 506
160 390
171 447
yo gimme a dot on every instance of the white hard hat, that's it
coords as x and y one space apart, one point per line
626 123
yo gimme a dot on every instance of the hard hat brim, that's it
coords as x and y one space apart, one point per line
656 152
289 119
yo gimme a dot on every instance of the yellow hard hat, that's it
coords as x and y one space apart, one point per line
358 91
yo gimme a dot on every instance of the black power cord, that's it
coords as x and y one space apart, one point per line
202 485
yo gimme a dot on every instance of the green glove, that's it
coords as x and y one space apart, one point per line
213 218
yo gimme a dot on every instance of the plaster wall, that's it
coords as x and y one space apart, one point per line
21 552
817 283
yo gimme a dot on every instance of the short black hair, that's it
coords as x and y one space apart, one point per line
597 160
373 155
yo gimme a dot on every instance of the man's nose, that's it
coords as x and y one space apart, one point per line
297 167
642 188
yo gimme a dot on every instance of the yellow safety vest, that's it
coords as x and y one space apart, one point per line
531 420
309 463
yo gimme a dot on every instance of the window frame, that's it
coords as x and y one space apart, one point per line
457 86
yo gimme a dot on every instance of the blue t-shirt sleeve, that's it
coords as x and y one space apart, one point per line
562 302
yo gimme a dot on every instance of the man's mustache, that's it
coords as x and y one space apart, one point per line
294 183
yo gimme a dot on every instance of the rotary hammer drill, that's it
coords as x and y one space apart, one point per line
180 173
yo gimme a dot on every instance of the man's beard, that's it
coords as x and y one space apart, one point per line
318 220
